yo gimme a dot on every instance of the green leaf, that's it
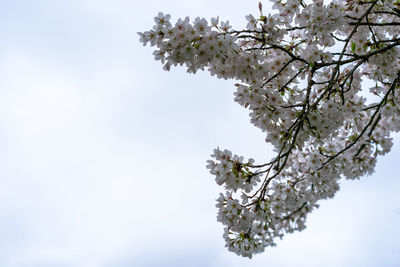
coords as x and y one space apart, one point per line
353 47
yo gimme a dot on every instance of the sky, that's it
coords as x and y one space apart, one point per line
103 154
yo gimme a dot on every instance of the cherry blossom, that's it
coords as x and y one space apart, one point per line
320 79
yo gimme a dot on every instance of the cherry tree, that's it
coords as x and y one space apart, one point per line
320 79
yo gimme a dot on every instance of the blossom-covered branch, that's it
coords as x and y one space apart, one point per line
321 80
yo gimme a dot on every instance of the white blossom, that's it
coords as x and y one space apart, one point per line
303 73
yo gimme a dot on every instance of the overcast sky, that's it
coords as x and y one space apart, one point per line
103 154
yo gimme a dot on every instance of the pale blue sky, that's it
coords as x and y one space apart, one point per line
103 154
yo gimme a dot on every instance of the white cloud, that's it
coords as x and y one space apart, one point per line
81 195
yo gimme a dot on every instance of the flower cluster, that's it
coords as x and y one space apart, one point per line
322 80
193 45
232 172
